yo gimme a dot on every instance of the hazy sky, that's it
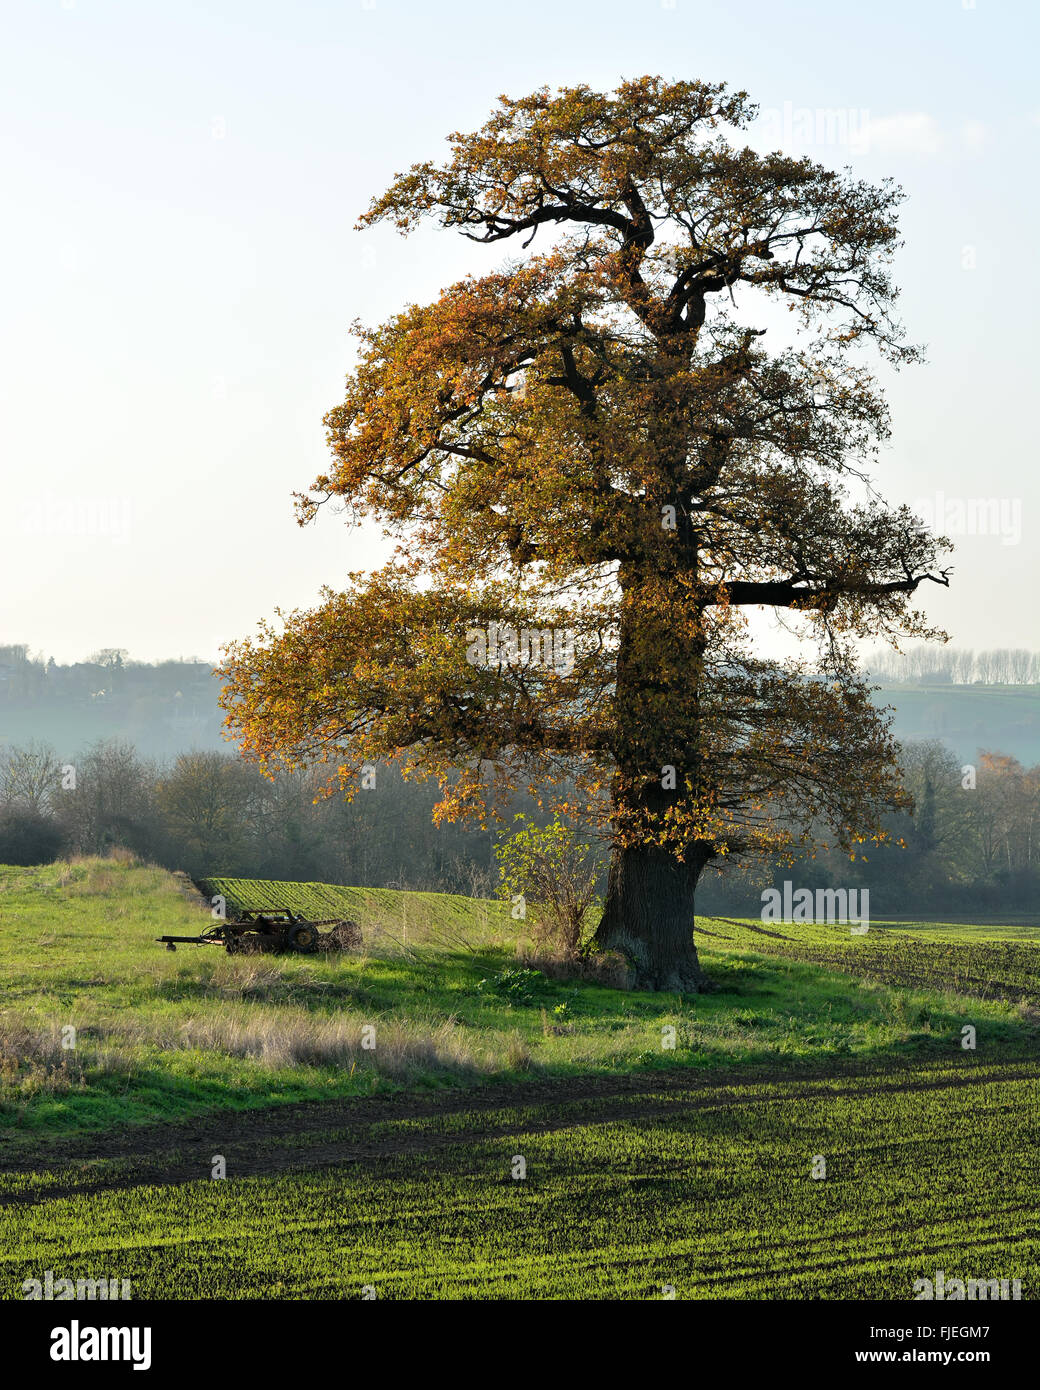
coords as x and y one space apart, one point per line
179 183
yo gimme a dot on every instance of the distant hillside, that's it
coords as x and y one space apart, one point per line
967 718
170 707
163 709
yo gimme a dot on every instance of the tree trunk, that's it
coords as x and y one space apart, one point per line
648 917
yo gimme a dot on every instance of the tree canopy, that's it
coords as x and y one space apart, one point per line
594 466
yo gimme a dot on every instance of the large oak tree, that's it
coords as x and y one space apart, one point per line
595 468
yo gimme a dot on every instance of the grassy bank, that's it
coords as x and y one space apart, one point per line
160 1035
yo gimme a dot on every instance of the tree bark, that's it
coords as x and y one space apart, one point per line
649 915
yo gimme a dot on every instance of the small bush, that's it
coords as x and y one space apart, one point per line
554 873
518 986
606 968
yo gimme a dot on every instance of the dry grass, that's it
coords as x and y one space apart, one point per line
33 1061
93 877
518 1054
248 977
607 968
277 1038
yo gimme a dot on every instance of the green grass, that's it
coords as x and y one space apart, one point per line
710 1193
161 1035
1017 928
647 1165
434 916
975 962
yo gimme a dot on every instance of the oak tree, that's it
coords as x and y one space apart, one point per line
597 461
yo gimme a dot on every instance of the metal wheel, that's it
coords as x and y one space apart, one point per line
304 938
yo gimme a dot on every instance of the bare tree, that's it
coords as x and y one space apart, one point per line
964 667
985 666
110 799
30 777
1020 666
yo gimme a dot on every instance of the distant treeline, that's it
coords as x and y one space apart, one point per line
162 707
931 665
107 674
972 844
209 813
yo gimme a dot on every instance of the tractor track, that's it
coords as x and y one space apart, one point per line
876 966
313 1135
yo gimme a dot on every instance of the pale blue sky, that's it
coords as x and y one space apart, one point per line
179 184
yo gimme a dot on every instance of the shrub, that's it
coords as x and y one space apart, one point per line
554 872
607 968
28 837
518 986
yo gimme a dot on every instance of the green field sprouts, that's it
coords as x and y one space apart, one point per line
840 1117
707 1191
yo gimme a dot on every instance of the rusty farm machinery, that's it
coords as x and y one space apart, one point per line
273 929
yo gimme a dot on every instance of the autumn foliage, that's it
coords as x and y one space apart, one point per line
603 439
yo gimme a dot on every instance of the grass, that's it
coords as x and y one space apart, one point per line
161 1035
1018 927
979 963
666 1143
709 1193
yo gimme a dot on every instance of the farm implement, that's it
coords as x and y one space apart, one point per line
273 929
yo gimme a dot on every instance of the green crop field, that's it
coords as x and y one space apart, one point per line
708 1190
386 912
814 1127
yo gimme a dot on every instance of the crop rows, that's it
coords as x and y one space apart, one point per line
715 1198
983 969
308 899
